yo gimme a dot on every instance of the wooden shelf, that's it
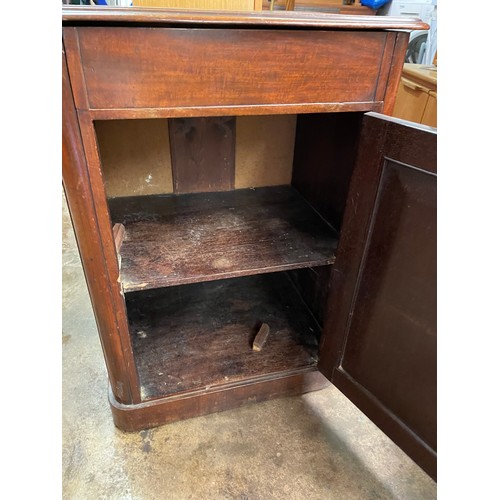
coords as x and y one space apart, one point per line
178 239
199 336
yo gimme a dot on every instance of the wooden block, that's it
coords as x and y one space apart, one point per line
261 337
118 235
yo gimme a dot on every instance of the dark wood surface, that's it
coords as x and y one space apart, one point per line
313 284
155 412
395 71
176 239
192 337
379 342
325 151
261 337
235 110
152 63
85 208
127 68
76 14
202 151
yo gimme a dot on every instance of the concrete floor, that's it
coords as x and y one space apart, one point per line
316 446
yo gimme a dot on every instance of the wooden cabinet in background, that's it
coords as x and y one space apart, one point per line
236 5
416 100
335 253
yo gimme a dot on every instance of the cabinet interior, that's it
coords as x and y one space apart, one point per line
228 223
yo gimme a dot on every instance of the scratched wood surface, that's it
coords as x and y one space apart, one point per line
196 336
176 239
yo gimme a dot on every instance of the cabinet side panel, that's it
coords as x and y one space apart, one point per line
105 295
325 151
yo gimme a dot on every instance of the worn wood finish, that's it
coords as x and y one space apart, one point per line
133 63
400 45
224 69
156 412
103 291
118 234
235 110
74 15
379 342
202 151
325 150
196 336
172 240
102 215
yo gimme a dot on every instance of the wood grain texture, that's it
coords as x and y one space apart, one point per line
235 110
135 157
193 337
395 72
108 305
126 68
74 15
156 412
119 234
134 63
385 66
202 152
172 240
238 5
74 67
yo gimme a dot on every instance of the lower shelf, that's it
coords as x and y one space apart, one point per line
197 337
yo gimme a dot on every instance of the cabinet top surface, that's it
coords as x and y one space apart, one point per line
72 15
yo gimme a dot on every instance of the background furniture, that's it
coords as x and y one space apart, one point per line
417 94
238 5
336 253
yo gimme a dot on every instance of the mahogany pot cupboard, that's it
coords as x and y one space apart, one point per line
287 202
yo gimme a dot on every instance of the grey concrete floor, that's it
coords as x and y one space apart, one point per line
315 446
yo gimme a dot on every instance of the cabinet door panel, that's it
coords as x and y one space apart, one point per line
380 336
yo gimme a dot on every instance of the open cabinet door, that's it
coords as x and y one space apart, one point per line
379 340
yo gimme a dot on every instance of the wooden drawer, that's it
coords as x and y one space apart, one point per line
155 68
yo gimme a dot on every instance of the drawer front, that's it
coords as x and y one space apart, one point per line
170 67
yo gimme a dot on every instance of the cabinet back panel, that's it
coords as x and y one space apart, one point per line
170 67
264 150
136 158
